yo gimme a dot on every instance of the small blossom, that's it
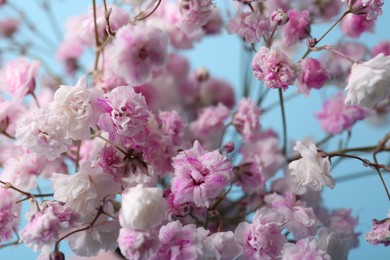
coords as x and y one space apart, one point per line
250 26
8 214
8 27
125 116
354 25
304 249
297 28
222 246
43 134
314 75
278 17
368 82
380 232
142 208
336 117
195 14
246 119
76 107
382 47
312 169
275 68
18 77
372 8
341 222
137 51
181 242
262 239
138 245
200 175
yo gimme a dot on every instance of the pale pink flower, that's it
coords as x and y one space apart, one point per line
76 107
299 219
17 77
84 190
331 243
368 82
8 27
250 26
297 28
304 249
341 222
142 208
200 176
275 68
138 245
222 246
8 214
102 236
380 232
210 121
43 134
181 242
372 8
137 51
354 25
336 117
314 75
138 6
312 170
125 117
382 47
262 239
68 53
172 125
214 91
246 119
195 14
214 23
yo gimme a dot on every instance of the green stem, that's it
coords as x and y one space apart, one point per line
284 122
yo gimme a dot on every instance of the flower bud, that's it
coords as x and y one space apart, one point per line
202 74
279 17
229 147
57 255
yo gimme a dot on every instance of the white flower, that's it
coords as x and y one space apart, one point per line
84 190
43 134
369 82
75 106
142 208
312 169
138 6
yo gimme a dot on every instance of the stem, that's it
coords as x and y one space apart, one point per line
8 135
223 134
151 12
35 99
108 141
326 33
78 154
284 122
277 103
10 186
324 140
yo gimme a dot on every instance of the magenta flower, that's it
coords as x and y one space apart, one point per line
275 68
382 47
354 25
200 175
336 117
297 28
314 75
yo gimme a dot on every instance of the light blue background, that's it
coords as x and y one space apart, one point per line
222 56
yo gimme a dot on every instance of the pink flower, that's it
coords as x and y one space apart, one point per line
262 239
8 214
382 47
250 26
214 91
246 119
18 77
138 244
181 242
372 8
172 125
323 9
304 249
380 232
297 28
200 175
195 14
341 222
222 246
314 75
112 162
137 51
336 117
210 120
354 25
275 68
299 219
125 117
68 53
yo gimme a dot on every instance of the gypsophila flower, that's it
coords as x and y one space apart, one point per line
297 28
9 214
246 119
142 208
138 6
312 169
200 176
314 75
222 245
304 249
368 82
195 14
380 232
138 245
275 68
